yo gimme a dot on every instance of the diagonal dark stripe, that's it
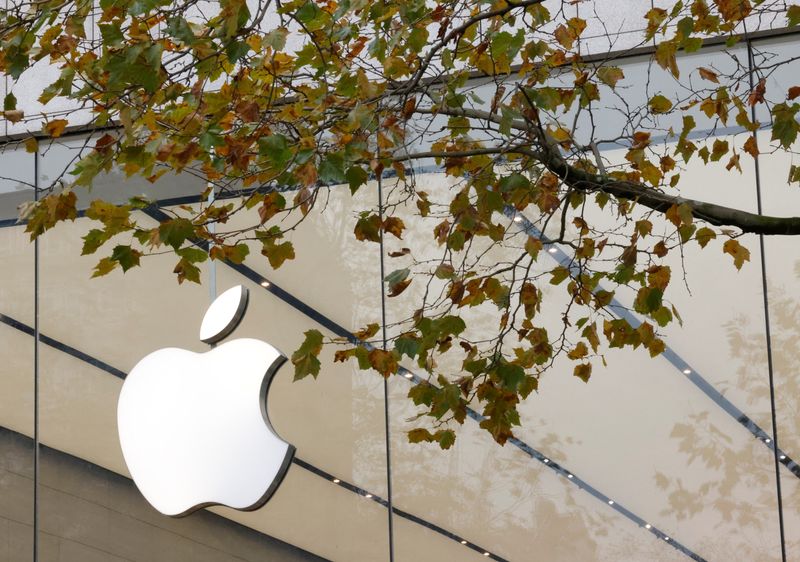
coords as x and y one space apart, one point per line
103 366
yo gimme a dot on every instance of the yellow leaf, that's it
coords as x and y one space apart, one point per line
55 128
739 253
31 144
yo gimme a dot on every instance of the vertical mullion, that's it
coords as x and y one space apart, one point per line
768 334
390 509
36 370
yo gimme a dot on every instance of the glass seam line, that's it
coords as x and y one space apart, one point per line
36 339
385 380
768 331
103 366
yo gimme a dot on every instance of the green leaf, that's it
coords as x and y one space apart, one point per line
93 240
126 256
187 271
558 275
112 34
356 177
446 438
10 102
174 232
510 375
331 169
193 255
407 345
397 276
785 126
276 149
306 358
450 325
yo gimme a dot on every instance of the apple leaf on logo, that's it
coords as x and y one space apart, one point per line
306 358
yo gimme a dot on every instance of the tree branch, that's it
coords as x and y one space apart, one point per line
549 155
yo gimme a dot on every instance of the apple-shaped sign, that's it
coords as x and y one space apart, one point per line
194 428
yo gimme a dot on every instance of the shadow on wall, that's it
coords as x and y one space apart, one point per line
740 496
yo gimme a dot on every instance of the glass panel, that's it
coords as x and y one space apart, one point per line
668 449
17 364
783 281
105 326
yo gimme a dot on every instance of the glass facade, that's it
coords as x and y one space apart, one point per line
665 459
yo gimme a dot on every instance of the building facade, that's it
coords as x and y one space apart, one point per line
655 459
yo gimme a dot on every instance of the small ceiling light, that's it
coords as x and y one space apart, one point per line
553 250
265 284
368 496
767 440
648 526
666 538
486 554
408 376
463 542
518 219
610 502
546 460
336 480
687 371
783 457
569 475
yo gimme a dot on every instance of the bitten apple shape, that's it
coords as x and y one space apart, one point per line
194 428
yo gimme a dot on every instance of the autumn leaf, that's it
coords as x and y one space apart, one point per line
709 75
751 146
55 128
739 253
583 371
394 226
610 75
385 362
659 104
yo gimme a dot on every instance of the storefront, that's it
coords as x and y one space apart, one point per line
663 459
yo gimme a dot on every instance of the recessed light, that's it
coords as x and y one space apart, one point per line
463 542
546 460
368 496
569 475
265 283
610 502
666 538
486 554
687 371
336 480
553 250
783 457
648 526
408 376
767 440
518 219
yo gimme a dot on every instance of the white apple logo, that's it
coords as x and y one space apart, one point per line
194 428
